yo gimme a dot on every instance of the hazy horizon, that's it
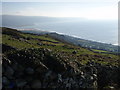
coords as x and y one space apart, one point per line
94 11
97 30
89 20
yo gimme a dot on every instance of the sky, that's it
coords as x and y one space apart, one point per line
96 9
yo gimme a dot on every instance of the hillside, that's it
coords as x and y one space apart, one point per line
92 45
108 48
42 61
86 29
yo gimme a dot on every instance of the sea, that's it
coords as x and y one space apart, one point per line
105 31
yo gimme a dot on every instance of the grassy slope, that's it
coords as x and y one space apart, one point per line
64 50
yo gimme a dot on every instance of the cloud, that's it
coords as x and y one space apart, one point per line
89 11
29 11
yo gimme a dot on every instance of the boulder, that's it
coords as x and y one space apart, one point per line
14 66
39 44
5 81
9 71
41 68
74 52
20 82
20 68
29 79
18 74
59 78
29 70
36 84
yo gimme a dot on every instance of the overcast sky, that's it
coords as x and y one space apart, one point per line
96 9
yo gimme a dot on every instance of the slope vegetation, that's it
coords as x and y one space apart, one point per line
41 61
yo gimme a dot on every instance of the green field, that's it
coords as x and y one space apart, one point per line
66 51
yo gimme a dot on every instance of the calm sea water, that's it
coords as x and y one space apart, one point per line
98 30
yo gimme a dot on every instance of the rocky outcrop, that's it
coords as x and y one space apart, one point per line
6 48
40 68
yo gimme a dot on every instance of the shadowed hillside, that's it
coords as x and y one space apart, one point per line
42 61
